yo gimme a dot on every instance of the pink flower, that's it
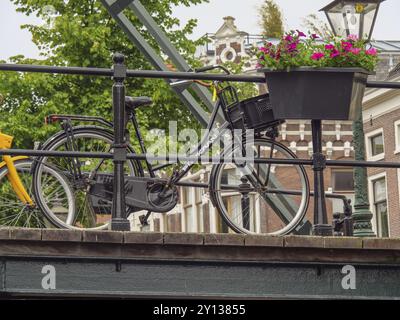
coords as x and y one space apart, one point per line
265 50
355 51
347 46
292 47
301 34
317 56
352 37
335 53
314 36
329 47
289 38
371 52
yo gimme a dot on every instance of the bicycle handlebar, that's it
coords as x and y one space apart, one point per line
184 83
213 67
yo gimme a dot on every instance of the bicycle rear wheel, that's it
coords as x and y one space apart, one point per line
261 198
91 211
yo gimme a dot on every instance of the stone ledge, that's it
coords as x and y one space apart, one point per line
261 241
343 243
4 234
61 235
224 239
184 238
103 236
143 238
381 244
196 239
25 234
303 242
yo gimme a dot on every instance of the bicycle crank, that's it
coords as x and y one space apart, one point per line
140 193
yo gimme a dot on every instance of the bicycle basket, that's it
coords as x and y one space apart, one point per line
230 105
254 113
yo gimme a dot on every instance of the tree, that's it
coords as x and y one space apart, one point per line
81 33
271 20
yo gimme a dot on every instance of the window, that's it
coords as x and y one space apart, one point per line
397 136
380 207
375 145
342 181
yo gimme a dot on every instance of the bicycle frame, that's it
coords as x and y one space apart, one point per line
13 177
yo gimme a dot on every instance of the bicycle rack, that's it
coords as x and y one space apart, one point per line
119 73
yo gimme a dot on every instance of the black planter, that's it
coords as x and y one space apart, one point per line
319 94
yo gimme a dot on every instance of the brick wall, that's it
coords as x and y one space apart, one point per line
386 122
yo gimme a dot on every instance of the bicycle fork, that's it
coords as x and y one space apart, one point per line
13 177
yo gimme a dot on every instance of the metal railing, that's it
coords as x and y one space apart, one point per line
120 154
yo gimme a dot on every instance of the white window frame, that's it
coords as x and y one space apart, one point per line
396 136
368 145
371 181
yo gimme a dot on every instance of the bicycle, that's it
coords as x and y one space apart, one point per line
246 195
17 208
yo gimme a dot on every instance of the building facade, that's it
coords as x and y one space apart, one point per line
381 115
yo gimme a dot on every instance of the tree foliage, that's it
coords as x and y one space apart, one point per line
82 33
271 20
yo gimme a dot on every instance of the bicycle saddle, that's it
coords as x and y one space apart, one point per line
134 103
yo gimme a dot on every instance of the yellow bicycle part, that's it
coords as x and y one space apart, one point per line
13 177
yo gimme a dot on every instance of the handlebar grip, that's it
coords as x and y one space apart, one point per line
206 68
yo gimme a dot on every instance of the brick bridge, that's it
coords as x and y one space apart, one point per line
176 265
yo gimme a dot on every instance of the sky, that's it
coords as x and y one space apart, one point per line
14 41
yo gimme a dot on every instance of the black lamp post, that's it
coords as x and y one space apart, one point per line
356 17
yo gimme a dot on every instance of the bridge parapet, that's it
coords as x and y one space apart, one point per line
127 264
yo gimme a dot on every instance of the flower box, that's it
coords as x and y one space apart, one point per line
314 78
317 93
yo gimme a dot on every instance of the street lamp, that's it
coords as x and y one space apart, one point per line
356 17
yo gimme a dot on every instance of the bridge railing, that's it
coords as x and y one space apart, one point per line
119 73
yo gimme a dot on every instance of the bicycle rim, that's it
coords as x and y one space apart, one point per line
270 210
90 211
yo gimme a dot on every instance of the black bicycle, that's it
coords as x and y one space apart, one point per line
251 197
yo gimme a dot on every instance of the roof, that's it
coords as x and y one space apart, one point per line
386 45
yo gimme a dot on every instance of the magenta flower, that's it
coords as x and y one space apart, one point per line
289 38
314 36
317 56
265 50
355 51
301 34
329 47
371 52
352 37
292 47
347 46
335 53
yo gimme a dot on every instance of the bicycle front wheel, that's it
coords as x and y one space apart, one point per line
255 198
14 213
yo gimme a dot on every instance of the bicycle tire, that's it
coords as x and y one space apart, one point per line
27 217
217 199
56 141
